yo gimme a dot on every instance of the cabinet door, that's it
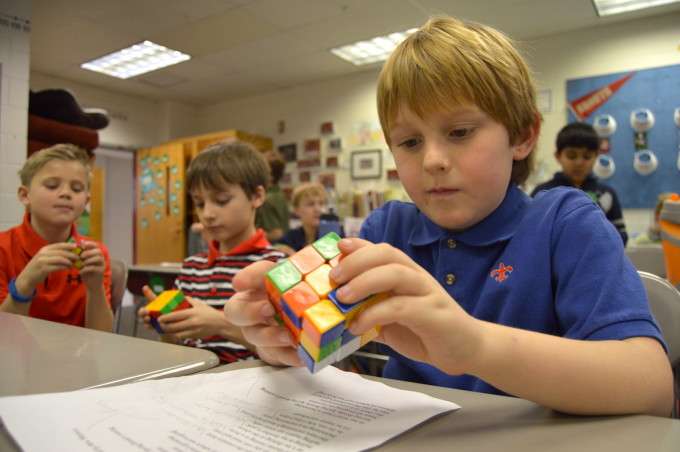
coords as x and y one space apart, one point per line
160 234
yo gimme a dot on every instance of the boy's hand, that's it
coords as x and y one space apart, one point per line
143 314
201 320
92 271
251 310
50 258
419 319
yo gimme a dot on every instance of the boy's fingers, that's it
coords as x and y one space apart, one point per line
176 316
365 257
88 245
148 293
268 336
61 246
244 310
177 327
349 245
394 310
93 252
279 356
391 278
252 277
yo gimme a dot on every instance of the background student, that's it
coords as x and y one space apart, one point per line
577 147
40 273
273 215
227 183
309 204
490 290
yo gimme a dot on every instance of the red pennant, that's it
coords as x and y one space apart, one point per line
585 105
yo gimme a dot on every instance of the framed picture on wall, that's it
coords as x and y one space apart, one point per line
366 164
335 145
332 162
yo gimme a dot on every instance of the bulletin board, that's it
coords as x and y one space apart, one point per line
657 89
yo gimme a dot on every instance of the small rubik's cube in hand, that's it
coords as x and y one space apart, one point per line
168 301
303 296
78 251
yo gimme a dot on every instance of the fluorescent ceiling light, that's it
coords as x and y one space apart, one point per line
609 7
376 49
136 59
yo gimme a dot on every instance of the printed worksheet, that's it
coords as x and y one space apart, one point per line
258 409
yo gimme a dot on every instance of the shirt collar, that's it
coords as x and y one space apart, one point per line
500 225
256 242
31 241
562 179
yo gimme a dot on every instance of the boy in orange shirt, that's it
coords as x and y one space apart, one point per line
47 270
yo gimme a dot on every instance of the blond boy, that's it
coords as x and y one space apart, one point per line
490 290
47 270
309 203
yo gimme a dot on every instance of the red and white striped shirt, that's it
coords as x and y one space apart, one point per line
208 277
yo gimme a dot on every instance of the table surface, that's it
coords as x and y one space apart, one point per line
173 269
489 422
39 356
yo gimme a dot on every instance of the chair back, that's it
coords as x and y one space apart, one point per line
664 302
119 274
647 259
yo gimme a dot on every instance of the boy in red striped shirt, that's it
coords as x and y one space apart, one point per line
227 183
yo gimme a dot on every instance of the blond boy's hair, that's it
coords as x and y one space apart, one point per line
64 152
233 162
308 190
447 63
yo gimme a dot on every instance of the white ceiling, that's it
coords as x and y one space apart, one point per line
244 47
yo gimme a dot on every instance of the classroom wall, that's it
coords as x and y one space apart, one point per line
15 42
347 101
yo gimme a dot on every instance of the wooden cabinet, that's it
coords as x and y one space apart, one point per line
162 208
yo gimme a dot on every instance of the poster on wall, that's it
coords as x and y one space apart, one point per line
366 133
619 95
312 146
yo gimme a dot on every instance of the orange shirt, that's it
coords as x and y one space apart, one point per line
62 296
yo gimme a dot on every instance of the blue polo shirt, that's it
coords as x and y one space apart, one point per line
552 264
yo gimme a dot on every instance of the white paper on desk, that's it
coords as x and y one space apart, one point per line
258 409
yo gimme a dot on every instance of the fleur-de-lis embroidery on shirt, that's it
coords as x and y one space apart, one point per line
501 273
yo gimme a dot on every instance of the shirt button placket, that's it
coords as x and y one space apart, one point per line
450 279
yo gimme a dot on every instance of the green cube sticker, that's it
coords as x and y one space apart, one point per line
327 245
284 276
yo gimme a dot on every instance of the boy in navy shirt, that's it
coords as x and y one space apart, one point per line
577 146
489 290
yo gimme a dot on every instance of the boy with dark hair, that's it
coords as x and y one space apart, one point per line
577 147
227 182
47 270
489 290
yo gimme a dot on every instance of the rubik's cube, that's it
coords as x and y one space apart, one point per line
303 296
165 303
78 251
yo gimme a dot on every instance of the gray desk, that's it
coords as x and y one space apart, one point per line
488 423
40 356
